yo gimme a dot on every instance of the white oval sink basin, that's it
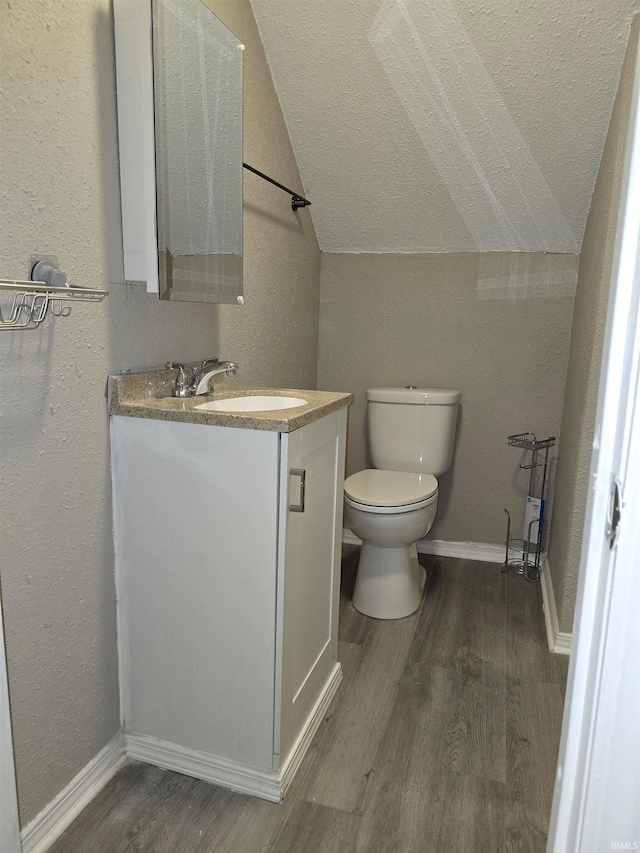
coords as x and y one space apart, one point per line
252 404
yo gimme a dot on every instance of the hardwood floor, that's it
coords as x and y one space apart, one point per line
443 737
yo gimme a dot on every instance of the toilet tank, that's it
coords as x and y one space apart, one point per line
412 429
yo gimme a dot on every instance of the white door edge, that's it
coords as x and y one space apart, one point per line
595 805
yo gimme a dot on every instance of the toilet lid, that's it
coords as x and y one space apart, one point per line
389 488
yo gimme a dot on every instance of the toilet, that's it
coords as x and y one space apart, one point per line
392 506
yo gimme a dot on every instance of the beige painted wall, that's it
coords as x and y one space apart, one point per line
495 326
583 375
59 194
274 337
438 126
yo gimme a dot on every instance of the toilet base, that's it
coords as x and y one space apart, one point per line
389 583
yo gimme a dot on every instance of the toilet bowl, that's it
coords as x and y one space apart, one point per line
392 506
390 511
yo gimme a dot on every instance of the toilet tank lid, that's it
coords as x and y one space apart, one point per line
415 396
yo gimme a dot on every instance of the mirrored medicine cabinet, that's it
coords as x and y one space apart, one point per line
179 89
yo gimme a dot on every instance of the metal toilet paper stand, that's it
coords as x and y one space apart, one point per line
522 556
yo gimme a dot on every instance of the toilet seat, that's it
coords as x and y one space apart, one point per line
379 491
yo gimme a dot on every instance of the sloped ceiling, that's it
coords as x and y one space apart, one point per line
444 126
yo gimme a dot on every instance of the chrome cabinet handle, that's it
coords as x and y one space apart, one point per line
298 472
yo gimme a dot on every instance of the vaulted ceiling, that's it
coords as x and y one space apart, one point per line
443 126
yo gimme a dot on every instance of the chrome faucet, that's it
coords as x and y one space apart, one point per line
199 382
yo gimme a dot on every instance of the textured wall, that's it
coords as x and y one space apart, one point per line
448 125
60 195
274 337
583 375
494 326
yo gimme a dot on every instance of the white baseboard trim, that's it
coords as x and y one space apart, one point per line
482 551
231 774
203 765
49 825
349 538
52 821
311 726
559 642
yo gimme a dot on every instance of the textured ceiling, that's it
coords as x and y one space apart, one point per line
443 126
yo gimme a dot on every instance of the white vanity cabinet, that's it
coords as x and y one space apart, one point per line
227 596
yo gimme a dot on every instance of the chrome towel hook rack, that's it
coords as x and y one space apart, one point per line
48 288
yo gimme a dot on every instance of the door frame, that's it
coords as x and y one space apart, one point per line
9 822
600 743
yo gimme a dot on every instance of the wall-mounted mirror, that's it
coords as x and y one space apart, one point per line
179 76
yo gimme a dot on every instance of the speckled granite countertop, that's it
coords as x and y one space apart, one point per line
148 395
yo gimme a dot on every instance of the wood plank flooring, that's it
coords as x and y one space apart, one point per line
443 737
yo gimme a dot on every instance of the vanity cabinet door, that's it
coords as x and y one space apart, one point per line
311 531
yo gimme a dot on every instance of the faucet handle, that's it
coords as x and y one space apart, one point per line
181 379
194 365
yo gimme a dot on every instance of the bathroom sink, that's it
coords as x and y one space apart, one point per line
251 404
